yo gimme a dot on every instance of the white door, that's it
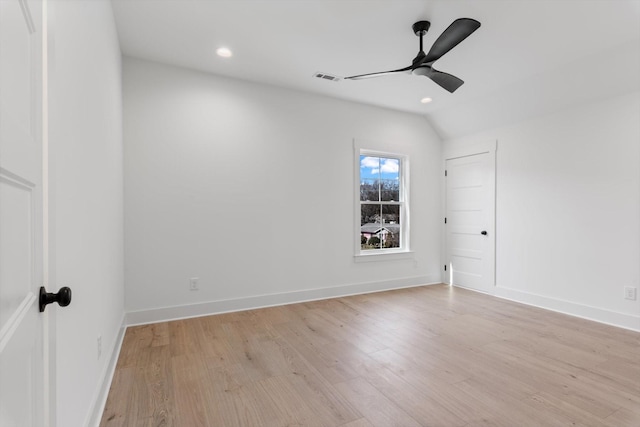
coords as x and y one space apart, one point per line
470 221
22 360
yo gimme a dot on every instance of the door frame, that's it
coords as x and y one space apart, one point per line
456 151
48 239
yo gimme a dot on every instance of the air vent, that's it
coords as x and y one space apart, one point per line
327 77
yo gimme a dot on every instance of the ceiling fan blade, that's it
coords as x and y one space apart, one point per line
381 73
446 81
459 30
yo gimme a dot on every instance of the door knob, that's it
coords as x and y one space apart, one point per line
63 297
483 232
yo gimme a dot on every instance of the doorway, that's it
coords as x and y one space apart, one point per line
470 217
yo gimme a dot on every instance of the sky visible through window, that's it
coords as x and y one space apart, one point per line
379 168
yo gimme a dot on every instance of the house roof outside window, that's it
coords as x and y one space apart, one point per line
375 228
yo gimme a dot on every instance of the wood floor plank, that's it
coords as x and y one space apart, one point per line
237 401
192 389
430 356
342 331
574 415
216 348
159 334
260 355
380 411
622 371
623 417
437 391
423 405
317 357
183 337
408 360
559 378
508 411
136 339
292 407
324 399
115 412
159 385
361 422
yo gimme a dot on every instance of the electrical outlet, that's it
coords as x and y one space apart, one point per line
193 283
630 293
99 346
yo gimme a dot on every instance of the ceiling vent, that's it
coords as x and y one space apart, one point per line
327 77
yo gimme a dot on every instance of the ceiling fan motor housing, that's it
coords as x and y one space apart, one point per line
420 28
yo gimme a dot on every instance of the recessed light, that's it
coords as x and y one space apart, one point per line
426 100
224 52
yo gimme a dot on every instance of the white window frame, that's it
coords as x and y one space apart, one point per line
389 253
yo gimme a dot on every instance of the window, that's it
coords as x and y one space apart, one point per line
382 203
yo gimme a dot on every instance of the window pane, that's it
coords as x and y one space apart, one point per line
369 190
370 214
390 179
369 178
390 190
389 168
390 236
370 226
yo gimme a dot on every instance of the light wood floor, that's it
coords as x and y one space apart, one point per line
428 356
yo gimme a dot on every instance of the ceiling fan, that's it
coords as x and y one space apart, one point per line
422 65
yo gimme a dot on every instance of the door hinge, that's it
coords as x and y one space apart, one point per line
445 267
445 220
445 172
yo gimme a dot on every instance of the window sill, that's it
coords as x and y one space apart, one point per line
383 256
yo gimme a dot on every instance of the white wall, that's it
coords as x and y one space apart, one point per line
85 116
249 188
568 209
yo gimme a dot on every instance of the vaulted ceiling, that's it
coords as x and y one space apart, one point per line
528 58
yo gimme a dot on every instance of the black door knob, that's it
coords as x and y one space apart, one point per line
483 232
63 297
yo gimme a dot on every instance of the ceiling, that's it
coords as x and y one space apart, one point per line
528 58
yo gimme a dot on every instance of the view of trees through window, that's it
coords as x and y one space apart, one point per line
380 202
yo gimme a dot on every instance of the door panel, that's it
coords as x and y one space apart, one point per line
22 364
16 245
469 199
21 400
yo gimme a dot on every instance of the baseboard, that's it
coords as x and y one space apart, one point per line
621 320
269 300
95 415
